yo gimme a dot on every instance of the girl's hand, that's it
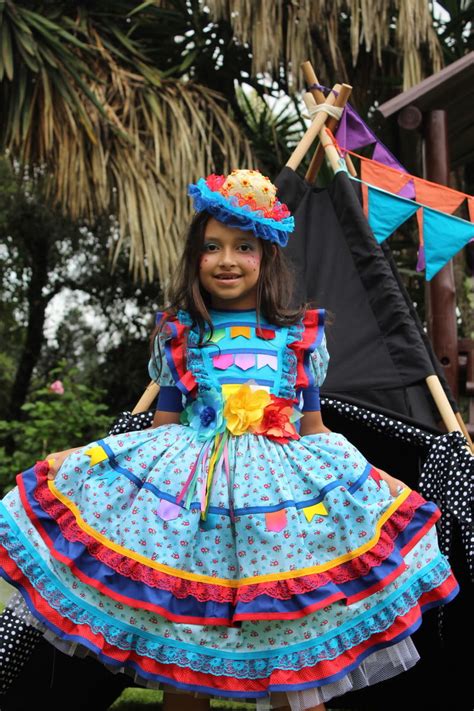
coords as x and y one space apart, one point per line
395 485
56 461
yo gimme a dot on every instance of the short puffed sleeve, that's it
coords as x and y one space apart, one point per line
168 366
312 358
319 361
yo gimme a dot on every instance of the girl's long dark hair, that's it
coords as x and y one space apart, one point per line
274 286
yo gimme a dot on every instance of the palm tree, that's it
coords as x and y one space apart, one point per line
108 131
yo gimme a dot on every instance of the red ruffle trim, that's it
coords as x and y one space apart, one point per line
176 349
313 322
280 589
278 679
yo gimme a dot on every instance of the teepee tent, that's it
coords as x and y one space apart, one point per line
376 393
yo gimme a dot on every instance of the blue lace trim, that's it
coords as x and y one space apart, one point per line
397 604
228 211
194 355
289 362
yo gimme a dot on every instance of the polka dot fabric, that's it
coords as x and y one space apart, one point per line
17 642
447 475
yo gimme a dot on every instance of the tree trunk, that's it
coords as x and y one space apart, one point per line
37 303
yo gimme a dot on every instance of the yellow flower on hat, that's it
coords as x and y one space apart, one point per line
244 409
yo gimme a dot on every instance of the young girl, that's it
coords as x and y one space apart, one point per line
238 548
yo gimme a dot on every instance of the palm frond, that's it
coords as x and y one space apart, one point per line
280 33
110 135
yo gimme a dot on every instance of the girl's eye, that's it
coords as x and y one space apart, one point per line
210 247
246 248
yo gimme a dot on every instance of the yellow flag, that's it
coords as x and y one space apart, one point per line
97 454
311 511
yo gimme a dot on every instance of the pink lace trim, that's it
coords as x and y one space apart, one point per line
181 588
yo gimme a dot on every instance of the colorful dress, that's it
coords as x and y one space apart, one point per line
228 555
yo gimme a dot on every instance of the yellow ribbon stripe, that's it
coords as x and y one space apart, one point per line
224 582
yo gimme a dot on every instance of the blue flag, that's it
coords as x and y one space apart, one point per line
443 235
387 212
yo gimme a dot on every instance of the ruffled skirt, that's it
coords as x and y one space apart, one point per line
304 580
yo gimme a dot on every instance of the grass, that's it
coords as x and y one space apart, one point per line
148 700
6 591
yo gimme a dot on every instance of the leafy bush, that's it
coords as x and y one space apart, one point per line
54 421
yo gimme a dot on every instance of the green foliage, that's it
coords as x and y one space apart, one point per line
53 422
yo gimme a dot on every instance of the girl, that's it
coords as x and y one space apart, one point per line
238 548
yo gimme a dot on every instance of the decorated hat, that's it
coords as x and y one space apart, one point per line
245 199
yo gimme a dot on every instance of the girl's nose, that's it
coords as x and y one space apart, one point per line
227 257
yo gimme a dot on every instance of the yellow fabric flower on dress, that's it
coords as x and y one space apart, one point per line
244 409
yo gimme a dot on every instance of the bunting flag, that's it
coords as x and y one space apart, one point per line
352 133
436 196
444 236
97 454
315 510
377 174
276 520
218 335
386 212
237 331
439 197
244 361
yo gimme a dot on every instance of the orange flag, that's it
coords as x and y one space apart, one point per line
437 196
382 177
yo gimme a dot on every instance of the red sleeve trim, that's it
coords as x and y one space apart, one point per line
176 352
313 331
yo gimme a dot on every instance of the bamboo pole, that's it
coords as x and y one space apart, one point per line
312 132
445 410
328 146
464 430
146 400
341 100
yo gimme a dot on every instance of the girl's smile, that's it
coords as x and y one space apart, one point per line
230 266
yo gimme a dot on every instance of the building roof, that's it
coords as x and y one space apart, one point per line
451 89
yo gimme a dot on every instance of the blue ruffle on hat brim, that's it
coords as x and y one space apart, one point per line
228 211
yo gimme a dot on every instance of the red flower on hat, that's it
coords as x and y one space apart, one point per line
280 211
276 423
215 182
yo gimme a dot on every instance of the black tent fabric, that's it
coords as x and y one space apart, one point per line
379 354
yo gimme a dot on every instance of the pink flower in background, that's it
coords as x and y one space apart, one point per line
57 387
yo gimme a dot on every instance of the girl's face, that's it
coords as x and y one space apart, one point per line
230 266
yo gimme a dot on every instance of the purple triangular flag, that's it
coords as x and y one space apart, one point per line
352 132
421 263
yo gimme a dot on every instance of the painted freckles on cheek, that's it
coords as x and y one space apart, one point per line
253 262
